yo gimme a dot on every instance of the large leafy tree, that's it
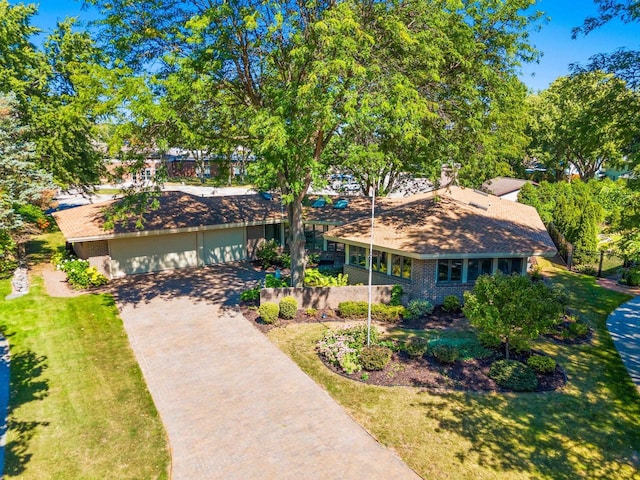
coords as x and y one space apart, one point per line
587 120
391 85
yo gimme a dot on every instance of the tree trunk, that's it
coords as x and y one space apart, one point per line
296 242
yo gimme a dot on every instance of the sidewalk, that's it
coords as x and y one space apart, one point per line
624 326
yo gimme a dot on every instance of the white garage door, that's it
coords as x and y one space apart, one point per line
225 245
153 253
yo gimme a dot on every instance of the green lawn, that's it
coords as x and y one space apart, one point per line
79 406
590 429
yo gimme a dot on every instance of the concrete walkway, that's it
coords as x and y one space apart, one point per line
624 326
233 405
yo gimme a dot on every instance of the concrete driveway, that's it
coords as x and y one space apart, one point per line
233 405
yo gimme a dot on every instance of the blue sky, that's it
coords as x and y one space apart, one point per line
554 40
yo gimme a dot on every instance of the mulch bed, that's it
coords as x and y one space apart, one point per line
424 372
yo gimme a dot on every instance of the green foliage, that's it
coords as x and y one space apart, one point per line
314 278
379 311
416 347
542 363
285 260
396 295
578 329
270 281
631 276
374 357
445 353
342 347
269 312
311 312
512 308
8 260
513 375
451 304
251 295
81 274
267 252
488 340
418 308
288 307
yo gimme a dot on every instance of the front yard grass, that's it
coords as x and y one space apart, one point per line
589 429
79 406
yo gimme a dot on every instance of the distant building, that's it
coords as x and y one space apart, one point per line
505 187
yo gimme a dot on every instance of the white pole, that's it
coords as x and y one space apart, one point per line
373 207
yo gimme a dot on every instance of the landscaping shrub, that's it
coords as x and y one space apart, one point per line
270 281
269 312
311 312
342 347
513 375
520 345
451 304
542 363
386 313
81 274
352 309
631 276
314 278
445 353
396 295
418 308
284 260
416 347
267 253
8 257
251 295
288 307
578 329
375 357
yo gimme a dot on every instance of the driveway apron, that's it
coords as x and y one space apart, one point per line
624 326
234 406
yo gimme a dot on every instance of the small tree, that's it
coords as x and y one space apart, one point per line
512 307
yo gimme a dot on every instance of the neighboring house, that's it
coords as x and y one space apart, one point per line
434 244
505 187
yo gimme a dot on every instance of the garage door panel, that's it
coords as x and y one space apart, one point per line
225 245
153 253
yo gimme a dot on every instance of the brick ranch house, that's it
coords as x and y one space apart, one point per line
434 244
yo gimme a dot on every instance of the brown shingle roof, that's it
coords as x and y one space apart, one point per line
453 222
177 210
500 186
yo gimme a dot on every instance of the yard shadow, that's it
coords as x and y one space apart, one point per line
26 385
215 284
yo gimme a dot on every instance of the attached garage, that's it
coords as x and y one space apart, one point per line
224 245
153 253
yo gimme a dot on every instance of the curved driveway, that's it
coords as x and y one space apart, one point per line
234 406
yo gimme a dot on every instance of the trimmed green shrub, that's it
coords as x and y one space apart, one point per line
311 312
387 313
451 304
445 353
542 363
288 307
267 252
416 347
314 278
578 329
269 312
374 357
270 281
251 295
489 341
396 295
514 375
417 308
351 309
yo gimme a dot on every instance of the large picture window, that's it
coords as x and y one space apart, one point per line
510 265
400 266
477 267
449 270
358 256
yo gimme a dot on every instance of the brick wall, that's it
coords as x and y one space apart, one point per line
327 297
97 253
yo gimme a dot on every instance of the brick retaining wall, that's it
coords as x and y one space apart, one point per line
327 297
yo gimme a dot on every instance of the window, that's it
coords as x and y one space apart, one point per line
379 261
400 266
335 246
449 270
510 265
477 267
358 256
273 232
313 236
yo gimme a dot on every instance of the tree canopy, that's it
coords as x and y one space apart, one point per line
378 87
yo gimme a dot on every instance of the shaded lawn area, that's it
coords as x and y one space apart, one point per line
589 429
79 406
